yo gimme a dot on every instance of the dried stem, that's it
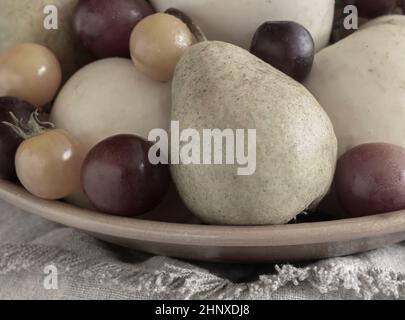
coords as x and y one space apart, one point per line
33 127
195 29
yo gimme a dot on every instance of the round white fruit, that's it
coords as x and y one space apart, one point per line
235 21
360 82
110 97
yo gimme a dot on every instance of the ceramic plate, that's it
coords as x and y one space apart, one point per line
184 238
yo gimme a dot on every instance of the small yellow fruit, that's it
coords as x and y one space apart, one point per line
157 44
30 72
49 165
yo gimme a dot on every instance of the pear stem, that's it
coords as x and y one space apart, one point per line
194 28
33 127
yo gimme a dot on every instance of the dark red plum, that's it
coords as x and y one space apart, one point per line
104 26
118 178
9 140
373 8
370 179
287 46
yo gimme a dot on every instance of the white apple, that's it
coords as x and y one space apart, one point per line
235 21
360 82
110 97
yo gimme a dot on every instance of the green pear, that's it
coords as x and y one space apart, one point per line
220 86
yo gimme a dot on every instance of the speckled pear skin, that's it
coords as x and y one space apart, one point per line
219 85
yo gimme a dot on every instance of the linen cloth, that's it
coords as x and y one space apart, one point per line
91 269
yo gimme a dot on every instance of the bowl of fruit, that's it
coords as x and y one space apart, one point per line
217 132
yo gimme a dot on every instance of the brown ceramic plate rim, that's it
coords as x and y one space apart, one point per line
204 235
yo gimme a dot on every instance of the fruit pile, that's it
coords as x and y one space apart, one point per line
78 103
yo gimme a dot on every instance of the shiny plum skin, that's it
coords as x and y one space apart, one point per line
287 46
118 178
104 26
9 140
370 179
373 8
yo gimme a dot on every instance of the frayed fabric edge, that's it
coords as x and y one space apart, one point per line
179 280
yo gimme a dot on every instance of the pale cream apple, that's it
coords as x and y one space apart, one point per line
235 21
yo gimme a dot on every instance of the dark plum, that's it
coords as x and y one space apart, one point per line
370 179
119 179
9 140
373 8
104 26
287 46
